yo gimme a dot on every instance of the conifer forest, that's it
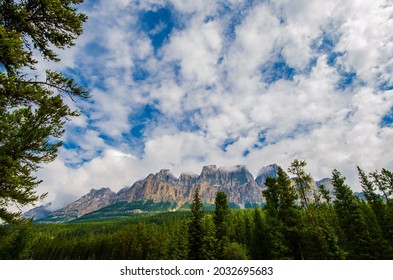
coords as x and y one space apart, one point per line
295 223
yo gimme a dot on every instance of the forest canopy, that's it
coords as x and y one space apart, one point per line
331 225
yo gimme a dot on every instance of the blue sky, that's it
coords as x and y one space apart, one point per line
182 84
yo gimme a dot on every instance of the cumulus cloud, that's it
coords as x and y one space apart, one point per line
181 84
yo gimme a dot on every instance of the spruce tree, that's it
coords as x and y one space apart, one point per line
195 228
32 110
283 216
220 215
220 218
302 180
358 242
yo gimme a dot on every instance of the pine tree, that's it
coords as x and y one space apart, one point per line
283 217
220 218
32 111
210 245
358 242
195 228
234 251
177 248
262 240
384 182
302 180
221 213
374 199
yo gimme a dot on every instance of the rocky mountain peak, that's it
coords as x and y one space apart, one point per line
100 192
236 181
267 171
95 199
208 169
39 212
236 175
209 174
165 176
327 182
188 179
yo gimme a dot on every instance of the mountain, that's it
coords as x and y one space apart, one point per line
237 182
267 171
327 182
159 187
90 202
163 191
38 212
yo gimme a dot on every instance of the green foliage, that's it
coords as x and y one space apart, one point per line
348 228
234 251
16 241
195 232
362 234
177 248
32 111
382 183
302 180
221 213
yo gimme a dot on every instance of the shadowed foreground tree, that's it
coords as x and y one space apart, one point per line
32 107
363 236
195 229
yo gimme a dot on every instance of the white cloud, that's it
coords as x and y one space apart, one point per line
220 89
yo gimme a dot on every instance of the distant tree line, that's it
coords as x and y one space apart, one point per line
297 222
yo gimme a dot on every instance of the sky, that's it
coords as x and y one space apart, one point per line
180 84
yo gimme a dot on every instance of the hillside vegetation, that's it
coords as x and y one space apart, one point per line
289 226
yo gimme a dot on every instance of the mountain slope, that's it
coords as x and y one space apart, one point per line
90 202
163 191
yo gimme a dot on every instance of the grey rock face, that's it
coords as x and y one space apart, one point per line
38 212
90 202
267 171
237 182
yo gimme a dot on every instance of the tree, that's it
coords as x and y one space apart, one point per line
195 228
32 110
384 182
261 239
220 217
302 180
177 248
376 201
234 251
353 221
221 213
284 217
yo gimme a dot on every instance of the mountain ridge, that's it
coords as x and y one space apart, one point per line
163 187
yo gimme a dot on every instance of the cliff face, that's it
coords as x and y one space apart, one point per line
162 186
267 171
38 212
90 202
237 182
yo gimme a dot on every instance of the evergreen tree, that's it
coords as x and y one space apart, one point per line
177 248
384 182
234 251
221 213
262 244
220 218
325 194
195 228
284 217
302 180
374 199
358 242
32 111
210 244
